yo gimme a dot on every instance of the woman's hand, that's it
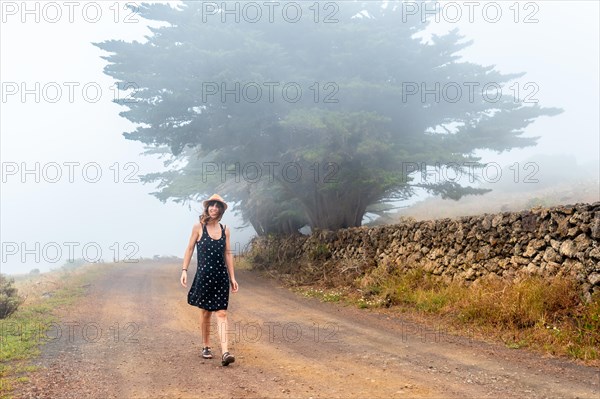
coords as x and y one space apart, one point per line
234 286
184 278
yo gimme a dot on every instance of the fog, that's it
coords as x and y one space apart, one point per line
71 184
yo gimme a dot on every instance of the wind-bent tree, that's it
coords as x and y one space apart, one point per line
311 121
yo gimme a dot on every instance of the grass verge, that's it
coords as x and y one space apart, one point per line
25 331
544 314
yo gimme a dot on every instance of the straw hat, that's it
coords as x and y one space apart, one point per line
215 197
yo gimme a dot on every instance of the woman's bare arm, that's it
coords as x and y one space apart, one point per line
229 262
189 251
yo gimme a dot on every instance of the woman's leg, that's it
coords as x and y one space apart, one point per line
205 326
222 329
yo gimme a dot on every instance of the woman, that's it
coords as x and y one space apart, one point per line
210 288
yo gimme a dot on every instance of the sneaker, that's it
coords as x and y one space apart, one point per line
227 358
207 353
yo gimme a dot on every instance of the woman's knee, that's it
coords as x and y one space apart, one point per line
221 314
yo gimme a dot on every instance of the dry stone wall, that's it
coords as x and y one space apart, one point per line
561 240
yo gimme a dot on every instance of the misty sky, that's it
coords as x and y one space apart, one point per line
559 52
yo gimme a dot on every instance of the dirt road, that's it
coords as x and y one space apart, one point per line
135 336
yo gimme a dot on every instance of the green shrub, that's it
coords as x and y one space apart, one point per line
320 252
9 298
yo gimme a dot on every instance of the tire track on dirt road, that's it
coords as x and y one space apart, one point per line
134 336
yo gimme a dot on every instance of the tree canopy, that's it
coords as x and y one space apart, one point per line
311 120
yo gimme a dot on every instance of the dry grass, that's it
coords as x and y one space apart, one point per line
546 314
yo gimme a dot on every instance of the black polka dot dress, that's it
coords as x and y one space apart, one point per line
210 289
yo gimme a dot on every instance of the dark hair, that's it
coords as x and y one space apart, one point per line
205 217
